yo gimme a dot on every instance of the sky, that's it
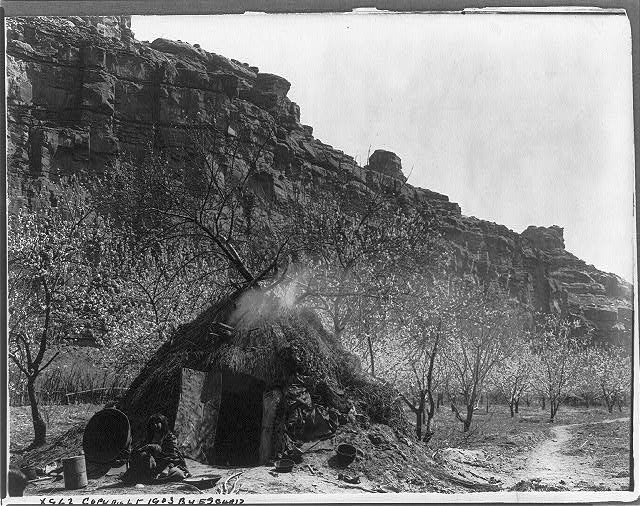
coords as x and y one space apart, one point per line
521 119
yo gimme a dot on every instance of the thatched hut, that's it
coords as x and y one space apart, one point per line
250 375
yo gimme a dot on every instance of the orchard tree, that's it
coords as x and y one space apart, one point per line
478 331
557 342
54 295
370 333
152 292
419 380
611 367
513 374
358 243
199 193
586 384
418 315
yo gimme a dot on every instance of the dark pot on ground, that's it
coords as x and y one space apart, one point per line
346 453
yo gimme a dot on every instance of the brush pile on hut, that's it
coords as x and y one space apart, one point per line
250 379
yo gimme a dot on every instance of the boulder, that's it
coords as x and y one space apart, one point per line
387 163
545 238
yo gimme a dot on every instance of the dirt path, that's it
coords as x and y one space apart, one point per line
550 465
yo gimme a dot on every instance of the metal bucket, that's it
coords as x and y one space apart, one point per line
74 470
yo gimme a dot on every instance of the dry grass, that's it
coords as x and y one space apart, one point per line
65 425
75 370
493 428
606 443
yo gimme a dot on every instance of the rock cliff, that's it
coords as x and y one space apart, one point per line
81 92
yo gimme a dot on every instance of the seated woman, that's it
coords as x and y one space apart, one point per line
158 458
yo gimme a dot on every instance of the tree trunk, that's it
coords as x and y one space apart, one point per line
371 357
419 414
610 403
554 409
527 401
427 428
517 405
511 409
467 421
39 427
543 404
487 403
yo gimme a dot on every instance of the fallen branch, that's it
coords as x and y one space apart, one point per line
224 485
476 475
235 483
472 485
474 464
345 485
313 445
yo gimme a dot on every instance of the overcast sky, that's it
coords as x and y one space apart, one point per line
521 119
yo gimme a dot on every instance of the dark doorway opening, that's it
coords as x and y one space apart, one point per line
239 428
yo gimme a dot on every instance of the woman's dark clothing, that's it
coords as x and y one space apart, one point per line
169 454
152 461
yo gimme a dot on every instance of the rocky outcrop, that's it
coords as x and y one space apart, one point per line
545 238
81 92
387 163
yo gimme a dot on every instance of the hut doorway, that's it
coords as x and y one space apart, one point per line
237 441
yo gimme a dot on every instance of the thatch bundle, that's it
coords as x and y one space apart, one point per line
275 344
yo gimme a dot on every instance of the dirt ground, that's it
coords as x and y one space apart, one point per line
563 450
529 453
583 450
386 463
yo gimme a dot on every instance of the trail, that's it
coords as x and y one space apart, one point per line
547 462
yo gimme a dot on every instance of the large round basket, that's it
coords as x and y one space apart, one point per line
106 435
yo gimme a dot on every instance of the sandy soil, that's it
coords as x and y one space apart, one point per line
386 463
255 480
551 463
587 450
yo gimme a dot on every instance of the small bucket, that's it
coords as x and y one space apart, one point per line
74 470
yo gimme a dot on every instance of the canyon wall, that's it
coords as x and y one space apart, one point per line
82 93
